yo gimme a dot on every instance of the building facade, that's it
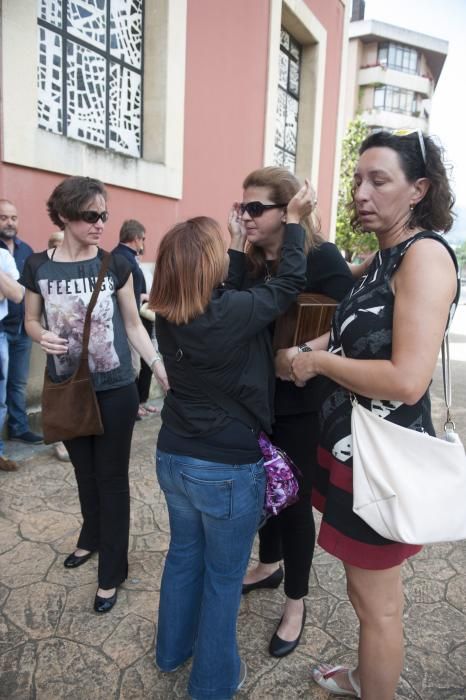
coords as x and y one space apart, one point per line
169 102
391 75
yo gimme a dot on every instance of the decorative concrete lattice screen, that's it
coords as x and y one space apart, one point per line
90 71
286 133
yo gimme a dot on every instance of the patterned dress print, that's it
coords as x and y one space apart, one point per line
362 329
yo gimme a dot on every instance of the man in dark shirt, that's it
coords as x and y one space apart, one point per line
19 343
132 237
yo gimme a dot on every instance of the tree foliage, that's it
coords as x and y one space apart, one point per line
461 255
351 242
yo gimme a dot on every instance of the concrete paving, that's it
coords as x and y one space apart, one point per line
53 646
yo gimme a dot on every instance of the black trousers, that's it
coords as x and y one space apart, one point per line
290 535
101 464
145 373
143 382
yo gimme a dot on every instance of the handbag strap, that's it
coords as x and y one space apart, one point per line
446 374
446 369
87 321
228 404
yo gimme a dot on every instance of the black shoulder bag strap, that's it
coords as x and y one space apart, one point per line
232 407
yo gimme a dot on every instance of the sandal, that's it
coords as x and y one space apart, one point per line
323 676
61 452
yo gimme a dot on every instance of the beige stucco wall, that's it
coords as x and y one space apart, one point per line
369 55
366 100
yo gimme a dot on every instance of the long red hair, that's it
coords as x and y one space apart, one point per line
191 262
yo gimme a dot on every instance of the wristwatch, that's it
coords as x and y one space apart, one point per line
304 348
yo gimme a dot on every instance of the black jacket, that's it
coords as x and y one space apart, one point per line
326 273
230 343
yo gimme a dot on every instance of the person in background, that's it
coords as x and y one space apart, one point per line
131 246
383 347
145 374
10 290
19 344
56 240
291 534
59 284
208 463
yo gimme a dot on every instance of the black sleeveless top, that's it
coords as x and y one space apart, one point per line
362 329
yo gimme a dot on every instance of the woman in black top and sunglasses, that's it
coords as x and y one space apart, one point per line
257 225
59 283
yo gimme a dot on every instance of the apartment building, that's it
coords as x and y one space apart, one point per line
391 73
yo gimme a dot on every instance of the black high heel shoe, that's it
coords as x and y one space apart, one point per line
272 581
103 605
279 647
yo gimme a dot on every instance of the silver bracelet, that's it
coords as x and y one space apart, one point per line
157 358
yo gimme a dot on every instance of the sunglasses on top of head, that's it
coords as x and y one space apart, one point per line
420 138
256 209
92 217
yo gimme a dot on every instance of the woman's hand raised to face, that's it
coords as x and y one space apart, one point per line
302 204
236 228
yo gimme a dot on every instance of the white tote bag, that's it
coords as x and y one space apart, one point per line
408 486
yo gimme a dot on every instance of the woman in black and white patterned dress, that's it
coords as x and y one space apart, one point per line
383 346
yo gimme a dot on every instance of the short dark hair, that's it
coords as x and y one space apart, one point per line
434 211
130 230
71 196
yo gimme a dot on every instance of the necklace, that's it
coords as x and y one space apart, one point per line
268 272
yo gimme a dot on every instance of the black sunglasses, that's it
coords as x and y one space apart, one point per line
92 217
256 209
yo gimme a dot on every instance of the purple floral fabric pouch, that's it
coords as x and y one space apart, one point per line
282 485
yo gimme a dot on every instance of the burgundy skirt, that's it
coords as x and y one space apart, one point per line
343 533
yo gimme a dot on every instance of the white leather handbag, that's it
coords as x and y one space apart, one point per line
409 486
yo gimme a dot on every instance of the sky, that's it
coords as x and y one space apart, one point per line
444 19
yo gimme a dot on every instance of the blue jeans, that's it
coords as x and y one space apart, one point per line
214 511
3 382
19 349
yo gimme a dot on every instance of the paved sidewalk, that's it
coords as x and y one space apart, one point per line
53 646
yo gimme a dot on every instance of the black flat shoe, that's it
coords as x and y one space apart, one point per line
272 581
103 605
72 561
279 648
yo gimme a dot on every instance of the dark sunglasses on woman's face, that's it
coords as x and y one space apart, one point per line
92 217
256 209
